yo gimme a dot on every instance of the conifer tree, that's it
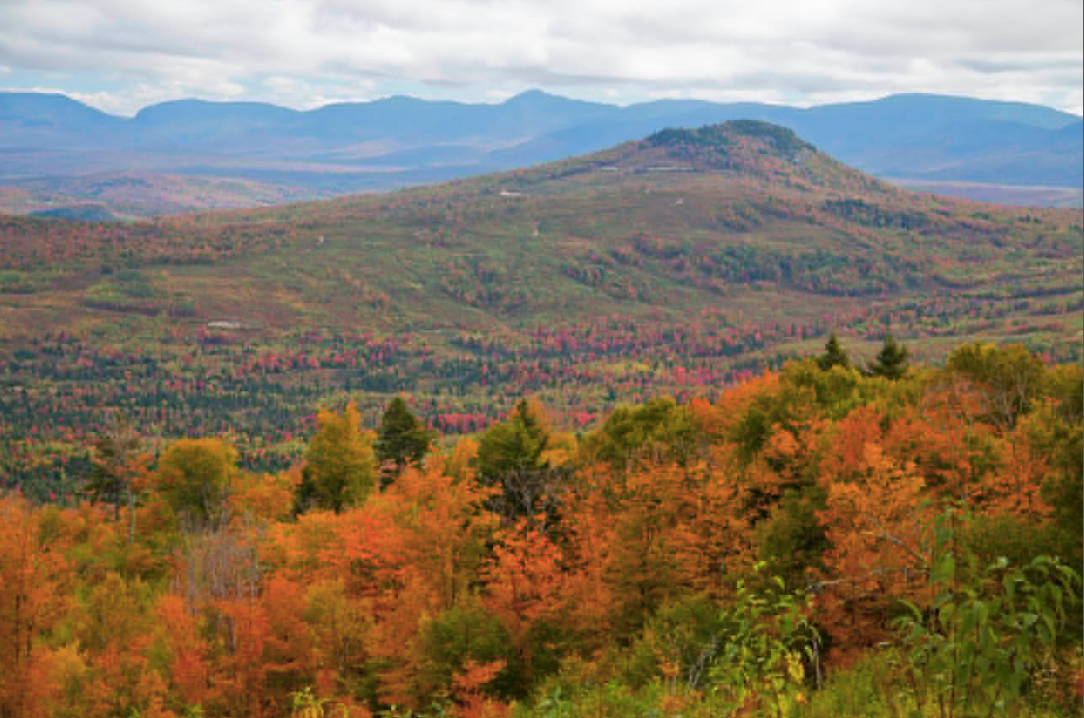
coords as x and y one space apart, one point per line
401 437
833 355
512 458
513 446
891 361
114 452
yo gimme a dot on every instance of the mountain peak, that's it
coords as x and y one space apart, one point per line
745 146
780 139
753 150
541 99
533 95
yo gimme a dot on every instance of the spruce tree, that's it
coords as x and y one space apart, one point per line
891 361
110 481
833 355
401 437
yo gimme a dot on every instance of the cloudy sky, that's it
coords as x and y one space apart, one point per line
120 55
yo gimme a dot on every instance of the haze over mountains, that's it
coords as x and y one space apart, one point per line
54 144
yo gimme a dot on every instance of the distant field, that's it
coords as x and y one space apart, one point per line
126 196
1002 194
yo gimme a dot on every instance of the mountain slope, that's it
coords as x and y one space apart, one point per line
675 264
680 219
37 120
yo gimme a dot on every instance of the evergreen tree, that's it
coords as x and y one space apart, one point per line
401 437
305 495
116 462
891 361
113 450
833 354
512 457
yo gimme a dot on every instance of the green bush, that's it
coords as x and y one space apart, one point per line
974 649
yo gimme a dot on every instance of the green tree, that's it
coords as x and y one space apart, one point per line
891 361
833 354
117 461
401 437
513 446
458 636
1010 378
195 476
512 457
340 460
1061 444
658 430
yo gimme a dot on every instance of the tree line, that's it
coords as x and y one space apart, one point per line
893 537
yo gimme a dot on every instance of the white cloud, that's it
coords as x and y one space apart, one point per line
295 51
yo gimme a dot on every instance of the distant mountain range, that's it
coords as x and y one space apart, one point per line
401 141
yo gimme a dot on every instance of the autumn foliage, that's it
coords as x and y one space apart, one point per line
649 536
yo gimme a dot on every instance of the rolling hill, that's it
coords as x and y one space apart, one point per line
677 264
402 141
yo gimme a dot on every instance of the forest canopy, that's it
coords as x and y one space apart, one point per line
827 539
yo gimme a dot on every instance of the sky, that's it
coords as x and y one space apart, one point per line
122 55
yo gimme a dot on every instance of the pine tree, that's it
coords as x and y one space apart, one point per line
113 450
833 355
401 437
891 361
117 463
512 458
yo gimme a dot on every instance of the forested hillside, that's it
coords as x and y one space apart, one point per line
679 264
824 540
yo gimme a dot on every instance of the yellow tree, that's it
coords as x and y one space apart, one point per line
341 465
196 475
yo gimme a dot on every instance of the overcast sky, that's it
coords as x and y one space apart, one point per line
121 55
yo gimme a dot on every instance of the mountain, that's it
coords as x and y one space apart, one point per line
403 141
197 125
949 134
1024 155
677 264
38 121
684 218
